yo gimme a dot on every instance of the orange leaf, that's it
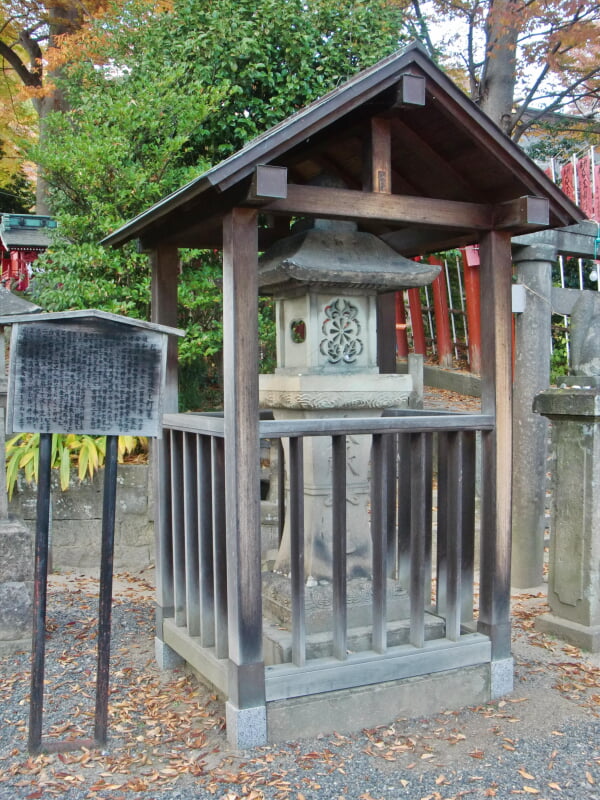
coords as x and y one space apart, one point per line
531 790
590 778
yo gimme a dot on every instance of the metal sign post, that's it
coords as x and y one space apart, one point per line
82 372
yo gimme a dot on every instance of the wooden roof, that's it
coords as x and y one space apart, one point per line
451 172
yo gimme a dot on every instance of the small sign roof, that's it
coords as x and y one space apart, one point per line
92 314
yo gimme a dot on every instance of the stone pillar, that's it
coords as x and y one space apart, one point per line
16 574
530 431
574 574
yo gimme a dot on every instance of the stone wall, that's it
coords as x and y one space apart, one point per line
77 519
16 586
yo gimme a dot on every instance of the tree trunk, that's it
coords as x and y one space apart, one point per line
64 17
499 74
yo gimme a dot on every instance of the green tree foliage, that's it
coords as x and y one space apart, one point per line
161 97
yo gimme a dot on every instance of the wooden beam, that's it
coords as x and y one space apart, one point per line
522 212
496 398
242 478
348 204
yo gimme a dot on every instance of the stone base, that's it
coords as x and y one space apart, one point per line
501 677
246 727
585 636
277 643
318 603
15 646
380 704
166 657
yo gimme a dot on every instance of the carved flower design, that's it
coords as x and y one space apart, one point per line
341 329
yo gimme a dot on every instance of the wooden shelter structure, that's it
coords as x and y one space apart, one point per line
425 170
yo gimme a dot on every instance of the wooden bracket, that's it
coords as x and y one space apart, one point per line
522 212
410 91
268 183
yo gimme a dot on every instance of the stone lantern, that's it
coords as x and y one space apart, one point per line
325 279
574 410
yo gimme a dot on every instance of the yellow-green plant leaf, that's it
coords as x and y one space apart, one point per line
12 471
29 468
65 468
83 462
26 459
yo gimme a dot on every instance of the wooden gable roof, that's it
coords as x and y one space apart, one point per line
450 170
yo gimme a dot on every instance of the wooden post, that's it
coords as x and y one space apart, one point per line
401 337
164 262
470 259
496 399
165 273
416 321
246 710
442 316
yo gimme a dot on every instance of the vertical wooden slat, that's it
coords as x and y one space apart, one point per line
280 489
468 523
454 538
496 394
338 510
177 527
161 464
219 548
379 541
242 463
205 544
391 479
404 497
190 523
296 479
443 492
418 500
428 531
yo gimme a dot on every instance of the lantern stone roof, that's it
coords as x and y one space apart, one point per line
449 172
26 231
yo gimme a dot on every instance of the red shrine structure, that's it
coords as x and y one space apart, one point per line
22 238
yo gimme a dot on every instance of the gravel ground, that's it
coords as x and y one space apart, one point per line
167 739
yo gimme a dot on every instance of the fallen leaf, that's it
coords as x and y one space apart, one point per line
590 778
525 775
531 790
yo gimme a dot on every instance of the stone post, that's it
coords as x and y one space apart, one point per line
574 572
16 558
530 431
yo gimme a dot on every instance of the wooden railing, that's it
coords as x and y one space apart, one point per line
423 534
